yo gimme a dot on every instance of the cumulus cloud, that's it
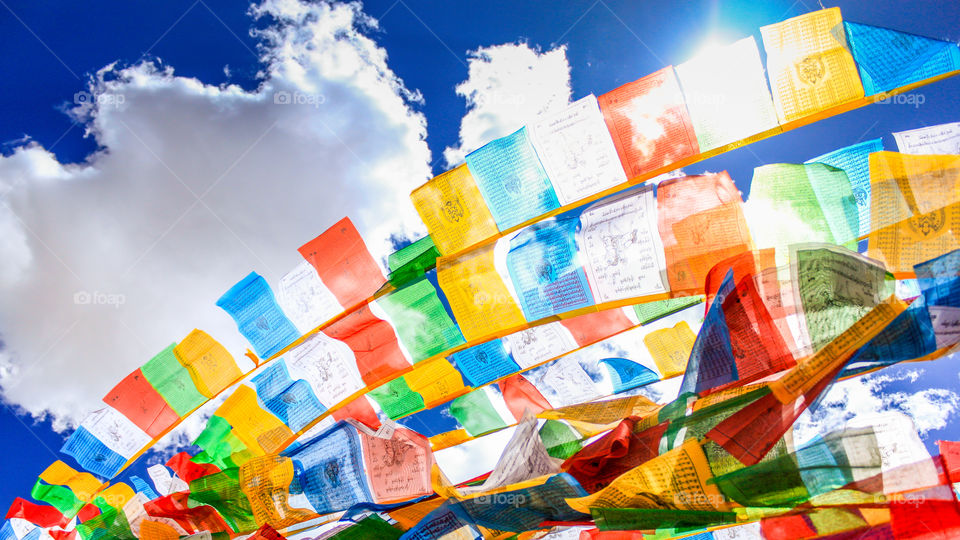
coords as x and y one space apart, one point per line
107 262
868 396
506 86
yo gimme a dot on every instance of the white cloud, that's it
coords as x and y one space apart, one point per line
867 396
506 86
194 186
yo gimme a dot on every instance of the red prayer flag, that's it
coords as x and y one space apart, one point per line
187 470
521 395
344 264
135 398
373 342
40 515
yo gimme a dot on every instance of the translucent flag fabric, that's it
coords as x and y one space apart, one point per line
854 160
545 269
914 208
819 198
649 123
809 64
173 381
726 93
512 180
888 59
701 221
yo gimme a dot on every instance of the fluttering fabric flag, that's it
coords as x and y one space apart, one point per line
512 180
726 94
104 442
854 160
211 366
914 208
940 139
809 64
173 381
701 221
576 150
649 122
454 211
814 203
343 263
254 308
135 398
888 59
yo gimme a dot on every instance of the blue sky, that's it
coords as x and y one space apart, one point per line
53 53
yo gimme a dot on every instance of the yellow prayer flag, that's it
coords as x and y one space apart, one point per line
266 483
809 64
670 348
211 366
82 484
437 381
477 294
674 480
118 495
262 432
914 208
454 210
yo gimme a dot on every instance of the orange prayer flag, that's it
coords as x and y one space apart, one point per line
701 221
343 263
649 123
